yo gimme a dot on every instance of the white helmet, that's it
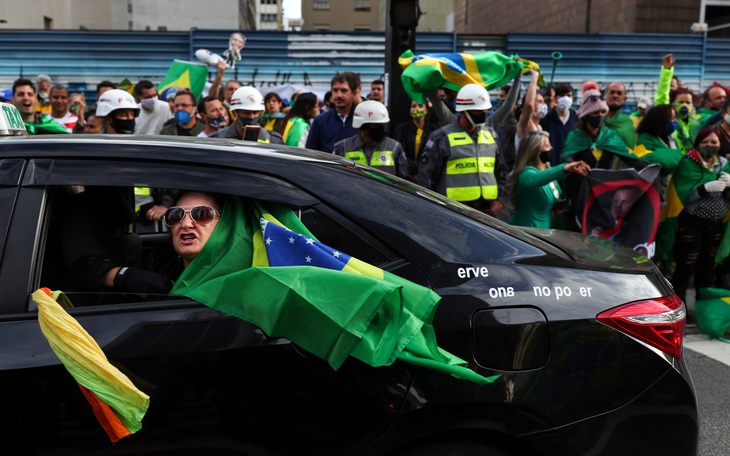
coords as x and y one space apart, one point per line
248 99
370 112
472 97
115 99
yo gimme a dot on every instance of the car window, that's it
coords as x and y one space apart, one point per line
82 221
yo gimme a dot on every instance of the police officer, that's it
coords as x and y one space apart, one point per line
119 111
461 160
248 103
370 146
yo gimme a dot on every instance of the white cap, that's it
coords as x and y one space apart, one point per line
248 99
370 112
472 97
113 100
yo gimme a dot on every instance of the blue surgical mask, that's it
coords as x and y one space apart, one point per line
671 127
182 117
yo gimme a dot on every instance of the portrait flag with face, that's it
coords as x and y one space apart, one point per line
623 206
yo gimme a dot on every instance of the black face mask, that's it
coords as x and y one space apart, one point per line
478 119
706 152
594 121
545 155
244 122
123 126
376 132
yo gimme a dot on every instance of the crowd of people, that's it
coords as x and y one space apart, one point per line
523 162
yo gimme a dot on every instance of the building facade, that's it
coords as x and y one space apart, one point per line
497 17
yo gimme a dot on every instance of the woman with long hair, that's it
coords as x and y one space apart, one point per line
534 189
656 143
295 128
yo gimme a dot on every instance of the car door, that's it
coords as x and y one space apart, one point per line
215 381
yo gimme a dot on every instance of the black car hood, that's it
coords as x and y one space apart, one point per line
593 252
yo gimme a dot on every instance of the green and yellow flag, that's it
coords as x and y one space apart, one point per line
712 310
455 70
127 85
185 74
262 265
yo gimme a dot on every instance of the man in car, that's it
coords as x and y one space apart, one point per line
248 104
462 160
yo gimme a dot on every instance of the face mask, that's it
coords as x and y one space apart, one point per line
726 118
682 110
377 132
706 152
149 103
541 110
594 121
671 127
545 155
418 114
219 122
182 117
476 120
123 126
564 103
44 96
244 122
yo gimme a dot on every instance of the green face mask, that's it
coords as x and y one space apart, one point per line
682 109
418 114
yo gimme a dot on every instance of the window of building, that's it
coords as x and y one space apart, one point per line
268 18
362 5
321 5
268 2
362 28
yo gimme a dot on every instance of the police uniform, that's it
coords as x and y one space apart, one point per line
386 155
466 167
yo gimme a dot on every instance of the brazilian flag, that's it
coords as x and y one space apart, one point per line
712 310
262 265
455 70
185 74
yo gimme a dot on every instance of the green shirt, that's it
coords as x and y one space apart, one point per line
537 193
623 126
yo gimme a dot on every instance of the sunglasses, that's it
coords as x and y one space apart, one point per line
594 98
202 215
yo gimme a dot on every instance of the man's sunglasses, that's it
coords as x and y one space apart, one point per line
202 215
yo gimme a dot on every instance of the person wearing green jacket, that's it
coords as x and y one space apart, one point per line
25 99
656 142
534 189
616 120
711 102
699 184
681 98
295 127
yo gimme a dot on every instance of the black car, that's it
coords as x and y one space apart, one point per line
585 335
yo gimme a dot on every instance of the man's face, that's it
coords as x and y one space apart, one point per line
377 92
716 98
43 86
236 41
342 96
615 96
231 87
124 114
25 100
213 110
623 200
189 237
59 101
184 102
148 93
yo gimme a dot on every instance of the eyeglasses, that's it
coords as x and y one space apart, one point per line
202 215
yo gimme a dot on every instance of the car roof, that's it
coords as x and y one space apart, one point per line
188 149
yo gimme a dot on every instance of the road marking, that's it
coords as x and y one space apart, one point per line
715 349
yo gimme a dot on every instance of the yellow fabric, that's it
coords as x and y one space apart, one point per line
86 362
417 142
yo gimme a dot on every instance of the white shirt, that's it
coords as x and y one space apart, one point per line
151 122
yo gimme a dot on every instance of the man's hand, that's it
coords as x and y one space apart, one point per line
668 61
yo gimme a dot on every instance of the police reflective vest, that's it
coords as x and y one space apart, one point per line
142 196
470 168
382 157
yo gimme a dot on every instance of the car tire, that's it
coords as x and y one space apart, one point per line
456 447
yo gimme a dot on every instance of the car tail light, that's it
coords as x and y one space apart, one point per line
658 322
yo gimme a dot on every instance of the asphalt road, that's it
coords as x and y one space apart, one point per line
709 364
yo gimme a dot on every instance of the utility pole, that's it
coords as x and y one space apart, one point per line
400 35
